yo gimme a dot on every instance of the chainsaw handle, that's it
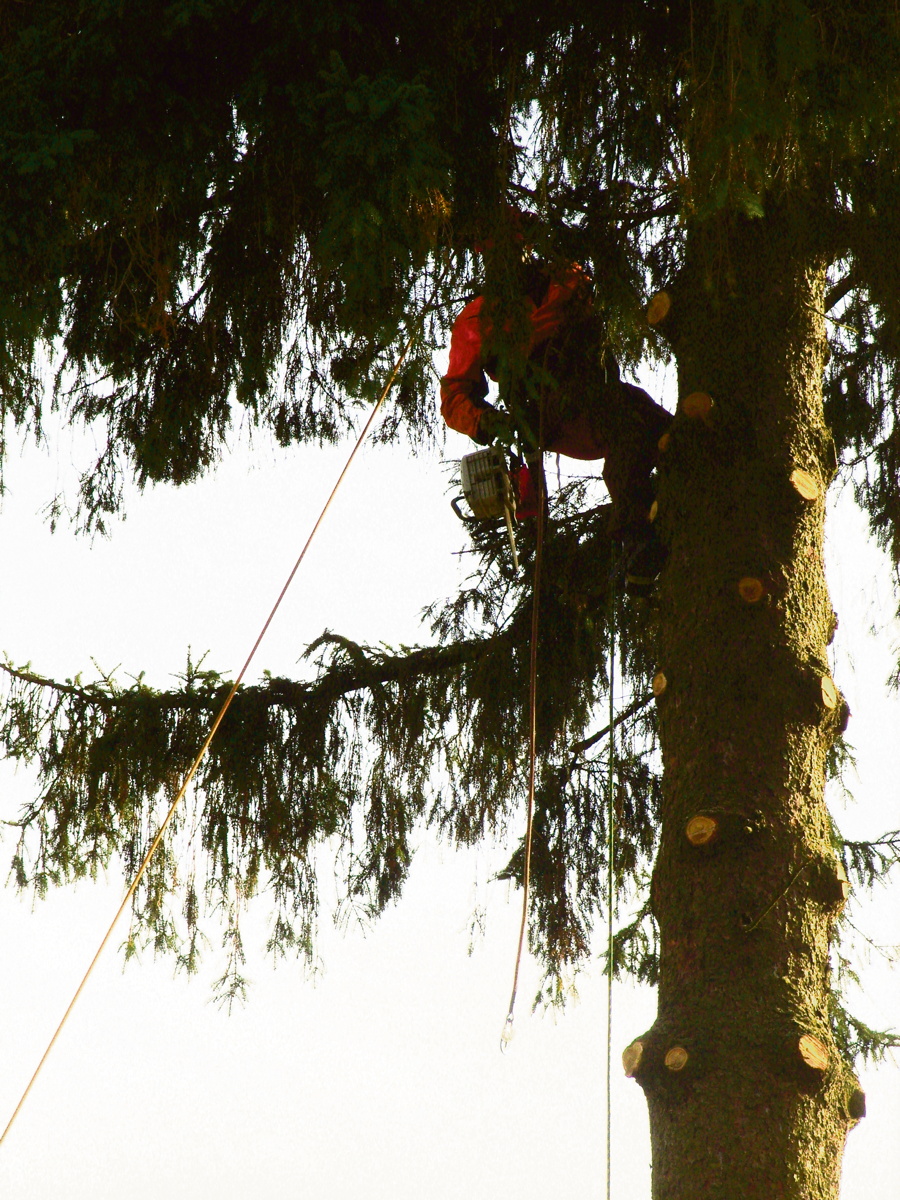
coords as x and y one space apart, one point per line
454 504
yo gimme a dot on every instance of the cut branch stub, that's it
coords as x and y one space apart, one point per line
658 308
664 442
750 589
676 1058
829 693
856 1104
805 484
654 511
631 1058
813 1053
702 829
698 405
836 886
660 683
712 829
842 883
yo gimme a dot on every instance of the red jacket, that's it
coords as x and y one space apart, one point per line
464 387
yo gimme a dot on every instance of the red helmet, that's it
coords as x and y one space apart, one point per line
514 225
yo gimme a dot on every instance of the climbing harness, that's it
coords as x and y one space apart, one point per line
154 845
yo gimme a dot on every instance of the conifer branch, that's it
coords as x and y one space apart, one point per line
840 290
872 860
635 707
367 670
90 695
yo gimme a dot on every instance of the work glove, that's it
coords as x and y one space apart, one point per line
496 427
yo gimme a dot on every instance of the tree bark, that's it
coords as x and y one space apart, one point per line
758 1102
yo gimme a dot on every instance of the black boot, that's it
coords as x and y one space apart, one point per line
645 557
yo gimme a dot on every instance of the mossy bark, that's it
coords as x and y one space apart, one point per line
745 726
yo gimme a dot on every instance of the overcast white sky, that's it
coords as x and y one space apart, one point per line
383 1077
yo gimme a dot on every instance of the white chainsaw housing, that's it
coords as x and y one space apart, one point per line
488 489
486 484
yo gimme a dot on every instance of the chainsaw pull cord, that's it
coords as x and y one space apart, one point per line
532 716
154 845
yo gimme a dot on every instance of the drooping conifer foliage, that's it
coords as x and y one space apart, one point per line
215 213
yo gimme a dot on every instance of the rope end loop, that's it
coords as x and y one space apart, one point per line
506 1035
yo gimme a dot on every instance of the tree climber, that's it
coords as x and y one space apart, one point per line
559 388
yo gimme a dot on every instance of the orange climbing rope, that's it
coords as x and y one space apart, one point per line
610 877
214 727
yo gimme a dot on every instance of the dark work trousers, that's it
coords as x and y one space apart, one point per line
585 411
630 425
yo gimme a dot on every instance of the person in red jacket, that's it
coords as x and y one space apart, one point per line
559 383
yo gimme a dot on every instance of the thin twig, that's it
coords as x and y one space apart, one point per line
780 896
634 707
70 689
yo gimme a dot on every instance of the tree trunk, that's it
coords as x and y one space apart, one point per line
748 1094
